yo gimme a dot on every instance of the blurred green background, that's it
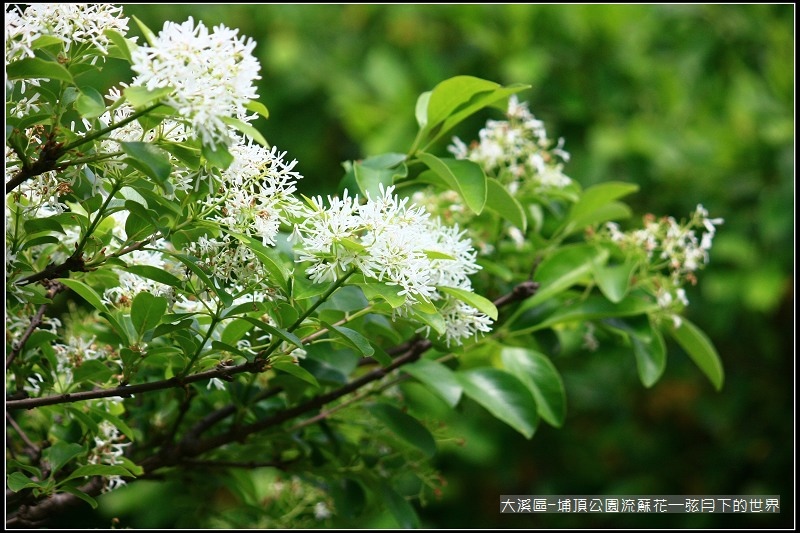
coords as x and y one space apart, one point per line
695 103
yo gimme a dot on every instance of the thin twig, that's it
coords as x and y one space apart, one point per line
54 288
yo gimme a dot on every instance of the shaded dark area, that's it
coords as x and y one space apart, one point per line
692 102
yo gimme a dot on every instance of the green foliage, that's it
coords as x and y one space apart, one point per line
300 400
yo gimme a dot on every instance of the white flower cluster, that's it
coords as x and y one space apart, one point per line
69 23
108 450
256 192
211 74
517 151
666 243
74 353
389 241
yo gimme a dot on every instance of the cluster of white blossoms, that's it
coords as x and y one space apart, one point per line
81 24
211 75
668 244
256 192
517 151
392 242
109 447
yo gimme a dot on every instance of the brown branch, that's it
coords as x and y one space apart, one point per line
48 160
125 391
53 289
183 453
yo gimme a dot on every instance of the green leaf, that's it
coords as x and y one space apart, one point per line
257 107
453 93
80 495
398 506
421 109
504 396
140 97
614 280
461 175
61 453
34 67
597 307
288 336
17 481
370 179
148 33
38 225
648 347
597 204
564 268
98 470
149 159
188 155
375 290
698 346
246 128
438 378
351 338
500 201
404 426
155 274
296 371
121 43
235 330
85 292
146 312
218 156
477 301
117 327
90 103
191 264
538 373
92 370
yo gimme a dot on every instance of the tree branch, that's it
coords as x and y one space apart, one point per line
53 289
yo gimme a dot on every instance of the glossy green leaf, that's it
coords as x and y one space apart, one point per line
61 453
148 33
351 338
245 128
421 109
188 155
90 103
277 271
614 280
596 307
218 156
700 349
38 225
191 264
257 107
16 481
503 395
438 378
597 204
539 374
477 301
375 290
649 347
80 495
370 177
147 311
501 202
296 371
155 274
92 371
34 67
564 268
461 175
118 328
122 44
98 470
85 292
140 97
454 93
404 426
288 336
150 159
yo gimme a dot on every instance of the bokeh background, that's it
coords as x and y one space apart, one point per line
695 103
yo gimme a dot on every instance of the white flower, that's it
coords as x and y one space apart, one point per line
211 73
83 24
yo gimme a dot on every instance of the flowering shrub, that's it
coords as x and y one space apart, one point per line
174 305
